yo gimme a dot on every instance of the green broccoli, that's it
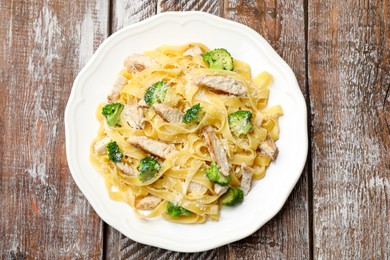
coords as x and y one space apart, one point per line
113 113
193 114
232 197
156 93
114 154
219 59
215 175
176 211
240 122
148 167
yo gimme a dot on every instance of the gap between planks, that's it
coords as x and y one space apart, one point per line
105 226
308 106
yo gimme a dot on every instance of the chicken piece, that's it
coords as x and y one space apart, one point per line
147 202
216 150
225 145
219 190
134 116
124 167
169 114
269 148
117 87
142 103
246 179
192 51
100 146
139 62
221 84
155 147
196 188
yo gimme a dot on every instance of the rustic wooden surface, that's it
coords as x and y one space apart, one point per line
339 51
43 47
349 81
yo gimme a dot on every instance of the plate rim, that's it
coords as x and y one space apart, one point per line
89 68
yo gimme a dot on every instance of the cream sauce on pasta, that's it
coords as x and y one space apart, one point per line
189 164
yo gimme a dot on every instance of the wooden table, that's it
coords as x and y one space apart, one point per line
339 51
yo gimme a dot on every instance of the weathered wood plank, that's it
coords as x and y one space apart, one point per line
349 64
44 44
117 245
282 24
213 7
130 11
121 247
124 13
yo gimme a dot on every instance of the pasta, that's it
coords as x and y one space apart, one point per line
157 158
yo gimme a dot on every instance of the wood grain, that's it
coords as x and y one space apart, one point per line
117 245
349 64
209 6
124 13
282 24
43 46
128 12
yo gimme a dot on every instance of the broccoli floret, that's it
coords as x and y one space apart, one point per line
232 197
176 211
219 59
156 93
240 122
214 175
148 167
114 154
113 113
193 114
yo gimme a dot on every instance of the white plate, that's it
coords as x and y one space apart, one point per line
267 195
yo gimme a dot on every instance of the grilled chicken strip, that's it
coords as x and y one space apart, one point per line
246 179
269 148
169 114
142 103
124 167
196 188
192 51
148 202
134 116
139 62
216 150
100 146
157 148
220 189
117 87
221 84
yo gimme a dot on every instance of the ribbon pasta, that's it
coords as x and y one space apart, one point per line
186 167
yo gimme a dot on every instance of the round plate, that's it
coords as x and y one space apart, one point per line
267 195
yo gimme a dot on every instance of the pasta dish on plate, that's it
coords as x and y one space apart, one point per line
184 132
